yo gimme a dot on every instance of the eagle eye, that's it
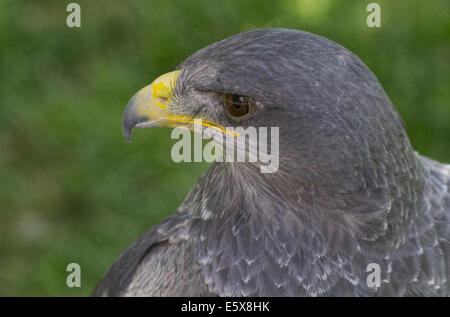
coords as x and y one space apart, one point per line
237 105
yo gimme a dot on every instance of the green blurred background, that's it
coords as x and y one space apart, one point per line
73 190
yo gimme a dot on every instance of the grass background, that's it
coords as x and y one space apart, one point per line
72 189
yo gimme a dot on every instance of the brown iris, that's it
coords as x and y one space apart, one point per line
237 105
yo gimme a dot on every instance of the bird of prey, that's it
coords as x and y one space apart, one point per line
350 193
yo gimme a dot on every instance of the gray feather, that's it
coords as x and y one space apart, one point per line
350 190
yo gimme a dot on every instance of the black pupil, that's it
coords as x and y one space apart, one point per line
236 99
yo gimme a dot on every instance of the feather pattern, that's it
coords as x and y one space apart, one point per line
350 191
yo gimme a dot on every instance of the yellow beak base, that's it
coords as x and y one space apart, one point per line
148 108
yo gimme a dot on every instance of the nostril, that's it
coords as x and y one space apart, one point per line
161 99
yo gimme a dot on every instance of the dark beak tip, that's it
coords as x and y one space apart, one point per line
128 121
126 131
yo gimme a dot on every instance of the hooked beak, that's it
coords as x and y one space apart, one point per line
148 108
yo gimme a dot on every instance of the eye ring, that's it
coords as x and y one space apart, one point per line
237 106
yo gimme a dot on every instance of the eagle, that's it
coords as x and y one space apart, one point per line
349 194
